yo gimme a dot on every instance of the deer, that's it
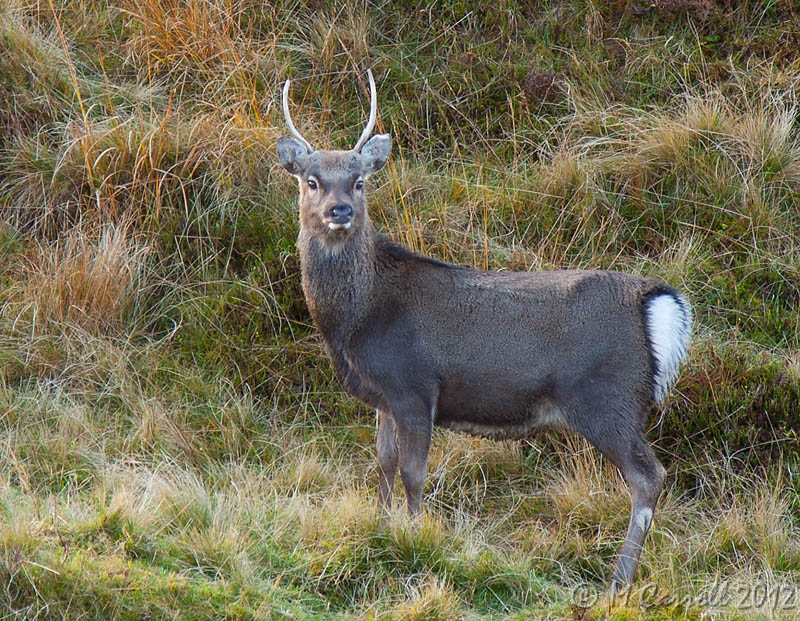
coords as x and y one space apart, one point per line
496 354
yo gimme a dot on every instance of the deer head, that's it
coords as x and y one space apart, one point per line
332 201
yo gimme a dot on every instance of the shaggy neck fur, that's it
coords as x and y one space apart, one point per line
338 280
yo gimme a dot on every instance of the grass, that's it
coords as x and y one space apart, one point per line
173 443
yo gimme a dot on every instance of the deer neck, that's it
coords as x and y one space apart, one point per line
338 281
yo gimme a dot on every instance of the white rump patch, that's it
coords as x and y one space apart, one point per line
669 327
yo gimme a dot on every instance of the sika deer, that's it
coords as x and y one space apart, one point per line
493 354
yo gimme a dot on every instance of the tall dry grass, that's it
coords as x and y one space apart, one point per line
84 279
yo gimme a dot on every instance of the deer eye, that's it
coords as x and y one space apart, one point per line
359 184
312 184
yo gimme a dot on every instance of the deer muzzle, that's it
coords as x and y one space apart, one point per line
339 217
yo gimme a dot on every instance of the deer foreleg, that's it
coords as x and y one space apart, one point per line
414 429
386 449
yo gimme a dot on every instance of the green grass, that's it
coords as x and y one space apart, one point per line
173 442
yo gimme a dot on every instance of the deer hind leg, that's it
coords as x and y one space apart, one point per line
386 449
645 476
624 445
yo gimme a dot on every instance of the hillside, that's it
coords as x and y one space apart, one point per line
173 442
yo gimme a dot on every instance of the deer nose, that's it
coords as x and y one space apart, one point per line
340 214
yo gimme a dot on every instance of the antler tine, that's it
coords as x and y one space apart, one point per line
288 118
373 112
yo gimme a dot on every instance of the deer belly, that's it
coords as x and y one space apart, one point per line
497 411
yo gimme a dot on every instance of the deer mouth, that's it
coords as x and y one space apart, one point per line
339 226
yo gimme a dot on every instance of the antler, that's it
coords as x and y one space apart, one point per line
373 115
288 118
373 112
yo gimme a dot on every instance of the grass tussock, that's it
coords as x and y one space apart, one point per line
173 441
77 280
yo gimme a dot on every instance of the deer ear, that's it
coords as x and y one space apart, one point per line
292 154
375 153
